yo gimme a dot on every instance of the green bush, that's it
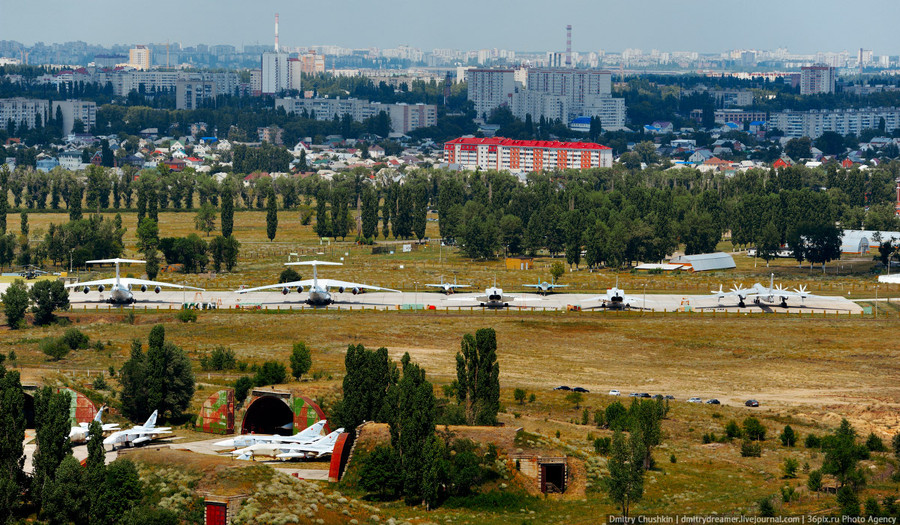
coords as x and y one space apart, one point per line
750 449
732 430
270 373
241 388
55 348
186 315
100 383
874 443
754 430
788 437
75 339
814 481
790 468
812 441
601 445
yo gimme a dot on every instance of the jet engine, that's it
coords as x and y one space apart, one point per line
157 289
100 288
86 289
285 290
341 289
143 287
357 291
299 289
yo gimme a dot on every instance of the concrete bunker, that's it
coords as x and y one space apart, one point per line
279 412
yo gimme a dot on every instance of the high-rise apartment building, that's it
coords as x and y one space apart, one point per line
275 73
490 88
525 156
73 110
817 79
139 57
26 112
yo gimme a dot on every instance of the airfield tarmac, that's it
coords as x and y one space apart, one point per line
428 300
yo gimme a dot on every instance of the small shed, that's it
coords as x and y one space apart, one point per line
519 263
703 262
549 473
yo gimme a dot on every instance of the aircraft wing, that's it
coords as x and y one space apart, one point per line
293 284
131 281
92 283
332 283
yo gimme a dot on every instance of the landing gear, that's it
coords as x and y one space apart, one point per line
783 303
741 304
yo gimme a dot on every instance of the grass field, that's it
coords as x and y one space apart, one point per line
809 371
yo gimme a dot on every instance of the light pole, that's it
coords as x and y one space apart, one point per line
644 300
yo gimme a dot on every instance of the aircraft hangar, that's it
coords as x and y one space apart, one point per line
279 412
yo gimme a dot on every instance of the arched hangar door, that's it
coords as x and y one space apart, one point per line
268 415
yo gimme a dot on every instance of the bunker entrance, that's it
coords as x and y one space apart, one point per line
268 415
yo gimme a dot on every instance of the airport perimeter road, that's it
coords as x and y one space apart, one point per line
427 300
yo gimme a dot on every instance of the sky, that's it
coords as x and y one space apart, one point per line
706 26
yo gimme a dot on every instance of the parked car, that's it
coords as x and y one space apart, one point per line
562 387
644 395
634 394
669 397
614 393
713 402
752 403
579 389
695 400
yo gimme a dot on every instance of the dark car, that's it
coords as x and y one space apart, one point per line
658 396
645 394
670 397
752 403
579 389
713 402
562 387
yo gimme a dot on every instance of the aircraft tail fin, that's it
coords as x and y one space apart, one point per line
99 417
151 421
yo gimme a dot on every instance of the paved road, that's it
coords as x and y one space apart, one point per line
425 300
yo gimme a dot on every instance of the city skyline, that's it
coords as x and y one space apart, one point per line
707 27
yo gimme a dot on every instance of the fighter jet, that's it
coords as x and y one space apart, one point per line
544 287
137 434
448 288
310 433
79 434
616 299
316 449
275 447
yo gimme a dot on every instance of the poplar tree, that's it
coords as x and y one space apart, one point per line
51 418
271 214
478 377
12 438
227 215
625 483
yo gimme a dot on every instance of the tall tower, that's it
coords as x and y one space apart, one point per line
569 46
276 32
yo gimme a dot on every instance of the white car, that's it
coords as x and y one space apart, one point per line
614 393
695 400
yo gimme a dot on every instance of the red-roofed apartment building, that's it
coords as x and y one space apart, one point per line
502 154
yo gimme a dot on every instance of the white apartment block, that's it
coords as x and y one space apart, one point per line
813 123
738 116
73 110
404 117
525 156
124 82
275 73
577 85
817 79
24 111
489 89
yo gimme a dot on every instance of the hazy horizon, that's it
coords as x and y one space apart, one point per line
803 27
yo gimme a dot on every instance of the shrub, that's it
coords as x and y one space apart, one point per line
55 348
75 339
672 458
221 358
270 373
585 416
874 443
241 388
599 418
186 315
754 430
616 416
519 395
532 398
732 430
766 509
788 437
790 468
601 445
787 493
814 482
750 449
99 383
812 441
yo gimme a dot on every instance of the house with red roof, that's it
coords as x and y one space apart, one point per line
783 162
518 156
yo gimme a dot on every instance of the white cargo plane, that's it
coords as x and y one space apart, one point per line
79 434
319 289
137 434
316 449
544 287
121 288
448 288
616 299
309 433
